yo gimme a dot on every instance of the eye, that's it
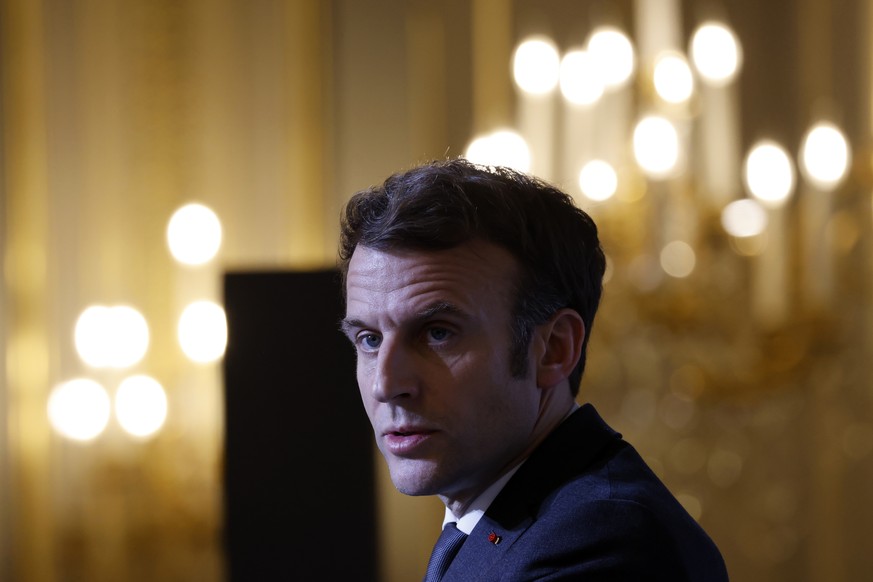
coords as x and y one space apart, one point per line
438 334
369 342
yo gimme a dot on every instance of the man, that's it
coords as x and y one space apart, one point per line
470 297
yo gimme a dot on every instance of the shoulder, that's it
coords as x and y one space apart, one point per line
603 513
611 539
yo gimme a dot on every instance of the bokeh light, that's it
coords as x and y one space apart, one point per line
716 53
581 81
140 405
501 148
724 467
203 331
744 218
194 234
678 259
536 66
825 156
111 337
769 173
79 409
598 180
613 52
673 80
656 146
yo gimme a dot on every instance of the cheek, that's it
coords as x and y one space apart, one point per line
364 370
363 377
478 389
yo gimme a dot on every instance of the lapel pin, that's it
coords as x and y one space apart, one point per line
494 538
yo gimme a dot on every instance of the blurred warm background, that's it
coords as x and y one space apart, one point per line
723 146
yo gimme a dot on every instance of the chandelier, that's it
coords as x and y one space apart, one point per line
646 138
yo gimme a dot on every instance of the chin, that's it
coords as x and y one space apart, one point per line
414 481
413 491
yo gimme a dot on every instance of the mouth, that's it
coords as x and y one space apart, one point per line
406 441
405 432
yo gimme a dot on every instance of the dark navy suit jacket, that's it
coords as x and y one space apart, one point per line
585 506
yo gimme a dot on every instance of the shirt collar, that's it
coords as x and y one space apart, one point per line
477 508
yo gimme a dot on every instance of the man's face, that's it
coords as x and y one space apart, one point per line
432 333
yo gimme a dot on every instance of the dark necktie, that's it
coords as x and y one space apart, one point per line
445 549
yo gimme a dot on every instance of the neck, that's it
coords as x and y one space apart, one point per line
556 404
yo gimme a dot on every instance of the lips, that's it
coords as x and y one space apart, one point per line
407 441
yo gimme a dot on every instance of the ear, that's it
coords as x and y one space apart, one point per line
561 336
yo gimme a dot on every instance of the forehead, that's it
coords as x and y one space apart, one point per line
470 276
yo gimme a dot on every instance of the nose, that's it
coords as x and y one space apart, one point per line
395 376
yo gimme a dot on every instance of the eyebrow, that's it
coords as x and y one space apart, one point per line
438 308
347 325
429 312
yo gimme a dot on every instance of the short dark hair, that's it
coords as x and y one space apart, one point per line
443 204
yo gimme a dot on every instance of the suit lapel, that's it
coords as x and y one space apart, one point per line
484 547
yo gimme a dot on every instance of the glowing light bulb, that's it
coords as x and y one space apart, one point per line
91 336
111 337
79 409
613 52
716 53
203 331
744 218
536 66
581 81
501 148
825 156
194 234
598 180
769 173
678 259
140 406
656 146
672 77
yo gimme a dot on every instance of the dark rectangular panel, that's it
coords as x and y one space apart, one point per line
299 493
